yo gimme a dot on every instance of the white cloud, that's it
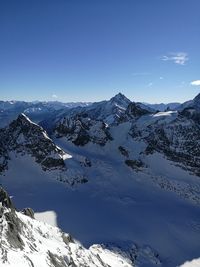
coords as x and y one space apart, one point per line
161 78
54 96
196 83
179 58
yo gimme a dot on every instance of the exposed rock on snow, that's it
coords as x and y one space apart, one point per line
135 110
25 137
27 242
171 134
28 212
81 130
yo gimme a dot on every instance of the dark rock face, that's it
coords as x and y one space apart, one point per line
13 224
191 113
51 163
191 109
5 199
56 260
178 140
25 137
134 164
15 228
67 238
4 157
123 151
28 212
134 110
81 130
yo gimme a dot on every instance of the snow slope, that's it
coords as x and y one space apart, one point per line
193 263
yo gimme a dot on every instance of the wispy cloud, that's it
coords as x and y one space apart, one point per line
196 83
54 96
179 58
161 78
140 73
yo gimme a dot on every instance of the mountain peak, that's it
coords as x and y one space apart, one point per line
197 98
120 100
5 199
120 96
22 117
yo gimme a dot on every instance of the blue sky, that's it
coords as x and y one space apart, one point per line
89 50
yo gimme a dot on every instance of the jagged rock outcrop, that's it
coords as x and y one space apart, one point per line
173 135
91 124
81 130
5 200
191 109
28 212
134 110
28 242
25 137
10 226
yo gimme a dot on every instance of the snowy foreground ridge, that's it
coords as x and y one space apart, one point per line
27 242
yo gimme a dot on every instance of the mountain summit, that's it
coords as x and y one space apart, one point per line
121 100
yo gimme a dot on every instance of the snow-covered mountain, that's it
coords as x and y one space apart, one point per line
131 176
27 242
163 106
91 124
171 133
110 111
191 109
194 103
40 110
23 140
24 137
37 111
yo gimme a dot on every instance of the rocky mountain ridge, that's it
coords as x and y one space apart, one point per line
28 242
25 137
36 110
173 133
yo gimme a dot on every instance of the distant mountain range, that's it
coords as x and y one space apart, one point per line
38 111
117 173
163 107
